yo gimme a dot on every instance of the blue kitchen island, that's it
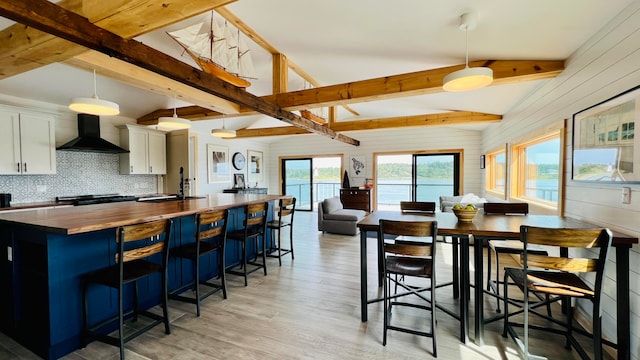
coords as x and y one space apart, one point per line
45 254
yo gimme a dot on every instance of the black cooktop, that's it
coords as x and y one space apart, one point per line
95 199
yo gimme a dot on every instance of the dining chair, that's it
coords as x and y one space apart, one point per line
142 250
562 279
286 209
210 237
497 247
254 227
409 259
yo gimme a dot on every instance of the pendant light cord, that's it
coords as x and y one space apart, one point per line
466 45
95 87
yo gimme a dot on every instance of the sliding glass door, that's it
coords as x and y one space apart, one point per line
297 180
415 177
311 179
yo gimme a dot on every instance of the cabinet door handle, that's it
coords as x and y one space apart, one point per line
151 169
18 167
131 168
25 167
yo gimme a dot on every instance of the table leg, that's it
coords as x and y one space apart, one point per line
479 291
622 294
363 275
455 242
464 287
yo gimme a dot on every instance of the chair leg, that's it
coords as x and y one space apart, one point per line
244 261
597 333
121 322
165 301
433 316
498 281
386 313
506 305
279 247
196 283
291 240
567 344
489 268
264 253
222 273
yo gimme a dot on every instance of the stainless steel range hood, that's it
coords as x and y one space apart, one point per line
89 139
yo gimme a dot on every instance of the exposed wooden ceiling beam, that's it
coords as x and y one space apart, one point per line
25 48
441 119
416 83
147 80
48 17
410 84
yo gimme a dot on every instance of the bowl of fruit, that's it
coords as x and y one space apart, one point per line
465 213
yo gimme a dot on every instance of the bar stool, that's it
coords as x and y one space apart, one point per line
254 228
134 260
210 237
286 209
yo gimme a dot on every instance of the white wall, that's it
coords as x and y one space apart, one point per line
604 66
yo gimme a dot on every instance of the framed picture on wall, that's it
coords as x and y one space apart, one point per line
604 148
217 164
357 166
256 166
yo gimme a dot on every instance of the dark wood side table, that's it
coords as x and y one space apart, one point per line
359 199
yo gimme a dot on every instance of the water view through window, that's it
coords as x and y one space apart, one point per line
541 172
414 177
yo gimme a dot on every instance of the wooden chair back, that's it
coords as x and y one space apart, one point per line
506 208
566 238
287 206
409 230
211 224
131 244
416 207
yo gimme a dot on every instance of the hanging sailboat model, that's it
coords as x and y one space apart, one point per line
217 51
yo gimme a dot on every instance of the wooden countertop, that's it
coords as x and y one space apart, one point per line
87 218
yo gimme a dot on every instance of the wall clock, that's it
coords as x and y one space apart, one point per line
238 161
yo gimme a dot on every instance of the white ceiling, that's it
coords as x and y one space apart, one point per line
338 41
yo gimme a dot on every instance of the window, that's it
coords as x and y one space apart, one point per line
496 173
415 176
537 170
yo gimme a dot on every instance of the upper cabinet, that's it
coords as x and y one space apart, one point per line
147 151
27 143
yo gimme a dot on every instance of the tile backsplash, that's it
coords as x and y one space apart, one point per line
78 173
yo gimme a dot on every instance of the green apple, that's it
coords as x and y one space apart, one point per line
457 207
470 207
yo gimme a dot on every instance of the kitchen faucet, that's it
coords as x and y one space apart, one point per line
181 191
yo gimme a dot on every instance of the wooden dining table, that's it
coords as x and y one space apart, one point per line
496 226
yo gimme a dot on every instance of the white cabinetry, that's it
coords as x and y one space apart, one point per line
147 151
27 143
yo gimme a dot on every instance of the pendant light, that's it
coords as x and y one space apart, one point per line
223 133
468 78
93 105
173 122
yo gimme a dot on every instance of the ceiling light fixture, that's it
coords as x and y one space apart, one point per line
173 122
93 105
223 133
468 78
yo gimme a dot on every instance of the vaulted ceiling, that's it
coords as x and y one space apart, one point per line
361 64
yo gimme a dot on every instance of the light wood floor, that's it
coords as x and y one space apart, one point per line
307 309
